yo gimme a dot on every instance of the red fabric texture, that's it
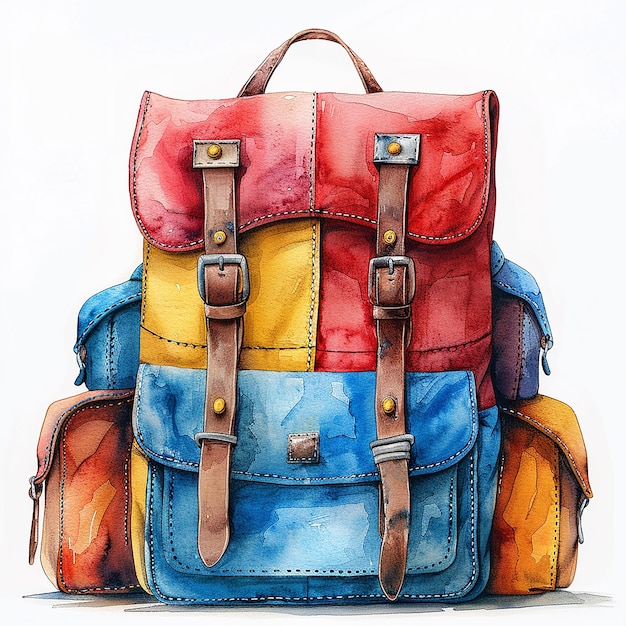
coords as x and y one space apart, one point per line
308 154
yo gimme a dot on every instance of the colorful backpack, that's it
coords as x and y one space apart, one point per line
325 334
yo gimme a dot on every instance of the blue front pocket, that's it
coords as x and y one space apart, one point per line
311 529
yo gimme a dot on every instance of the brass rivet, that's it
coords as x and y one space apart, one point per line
219 406
390 237
219 237
394 148
214 151
389 405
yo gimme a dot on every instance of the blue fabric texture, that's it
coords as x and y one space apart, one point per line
107 344
515 280
308 533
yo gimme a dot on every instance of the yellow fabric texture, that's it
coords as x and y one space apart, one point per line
280 322
138 483
281 315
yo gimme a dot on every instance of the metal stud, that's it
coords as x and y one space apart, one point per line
219 406
214 151
394 148
390 237
389 405
219 237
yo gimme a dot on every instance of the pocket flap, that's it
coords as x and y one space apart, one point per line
558 422
104 303
515 280
339 407
57 416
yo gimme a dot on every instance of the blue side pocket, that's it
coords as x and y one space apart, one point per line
107 344
521 330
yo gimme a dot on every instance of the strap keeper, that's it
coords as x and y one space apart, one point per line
392 312
224 312
397 448
223 437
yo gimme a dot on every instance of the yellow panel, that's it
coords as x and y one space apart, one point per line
280 323
139 481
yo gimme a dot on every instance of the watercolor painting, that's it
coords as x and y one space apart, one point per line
320 372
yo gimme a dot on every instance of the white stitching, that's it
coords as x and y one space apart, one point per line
552 434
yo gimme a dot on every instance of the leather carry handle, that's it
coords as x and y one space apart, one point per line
257 83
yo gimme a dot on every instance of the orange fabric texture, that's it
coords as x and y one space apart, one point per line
542 486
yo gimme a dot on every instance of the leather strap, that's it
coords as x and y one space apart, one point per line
223 285
257 83
392 288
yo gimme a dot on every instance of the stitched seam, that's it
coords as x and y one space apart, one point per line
427 351
315 479
553 436
135 199
520 342
61 524
144 282
514 291
48 449
109 351
555 545
146 106
458 593
61 575
450 524
310 337
294 570
483 206
311 209
126 492
470 583
104 312
187 344
312 152
501 472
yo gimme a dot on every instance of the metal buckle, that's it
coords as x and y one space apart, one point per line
221 260
391 262
35 490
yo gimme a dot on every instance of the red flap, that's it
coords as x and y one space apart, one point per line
307 154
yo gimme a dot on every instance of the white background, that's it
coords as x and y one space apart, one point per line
71 78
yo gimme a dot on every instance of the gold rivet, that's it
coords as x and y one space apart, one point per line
219 237
389 405
214 151
219 406
394 148
390 237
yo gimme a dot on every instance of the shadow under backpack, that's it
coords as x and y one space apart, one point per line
321 384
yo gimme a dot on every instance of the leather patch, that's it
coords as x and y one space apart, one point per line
303 448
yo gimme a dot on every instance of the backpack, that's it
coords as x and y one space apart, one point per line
329 341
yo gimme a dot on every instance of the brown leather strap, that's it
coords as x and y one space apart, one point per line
392 288
223 284
257 83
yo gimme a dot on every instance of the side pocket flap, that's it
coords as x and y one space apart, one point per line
558 422
515 280
58 414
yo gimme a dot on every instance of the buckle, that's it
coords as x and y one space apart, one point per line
222 260
391 262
